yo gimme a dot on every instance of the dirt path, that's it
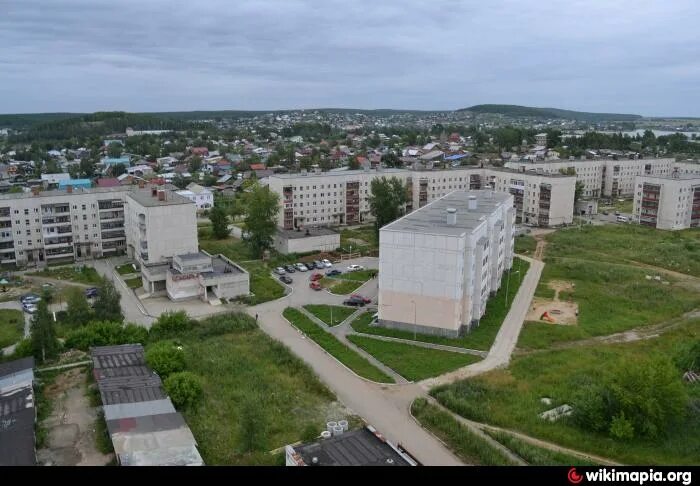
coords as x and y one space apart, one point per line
71 425
539 236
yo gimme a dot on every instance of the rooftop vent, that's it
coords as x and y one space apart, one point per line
451 216
472 203
161 195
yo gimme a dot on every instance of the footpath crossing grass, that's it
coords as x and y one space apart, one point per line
335 348
413 362
537 456
332 315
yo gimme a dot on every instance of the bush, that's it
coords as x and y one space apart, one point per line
621 428
184 388
171 324
688 356
105 334
166 357
23 349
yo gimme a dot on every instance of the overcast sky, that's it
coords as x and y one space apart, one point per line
632 56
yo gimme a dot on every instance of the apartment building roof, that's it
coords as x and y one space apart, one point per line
145 198
339 173
673 177
433 218
76 190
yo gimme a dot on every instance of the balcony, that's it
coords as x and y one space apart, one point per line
144 256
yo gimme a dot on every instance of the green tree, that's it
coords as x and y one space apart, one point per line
114 150
87 167
78 312
260 219
578 191
353 164
195 164
184 388
117 169
219 222
45 345
171 324
165 358
386 200
107 304
15 190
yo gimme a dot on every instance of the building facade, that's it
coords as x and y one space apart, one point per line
439 264
341 198
668 202
207 277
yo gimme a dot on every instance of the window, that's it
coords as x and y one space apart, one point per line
26 211
29 232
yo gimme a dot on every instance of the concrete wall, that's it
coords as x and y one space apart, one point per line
307 244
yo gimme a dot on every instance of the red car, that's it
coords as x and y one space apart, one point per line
316 276
315 285
363 299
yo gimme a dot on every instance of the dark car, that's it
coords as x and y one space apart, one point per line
362 298
310 265
286 279
290 268
331 273
605 213
352 301
319 265
91 292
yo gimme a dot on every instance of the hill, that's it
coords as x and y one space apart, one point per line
528 111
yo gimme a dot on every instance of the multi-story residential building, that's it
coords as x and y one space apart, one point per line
607 177
439 264
160 224
541 139
342 197
668 202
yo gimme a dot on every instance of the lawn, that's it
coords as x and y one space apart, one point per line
525 244
469 447
332 315
134 283
262 284
537 456
83 274
674 250
125 269
480 338
248 376
11 327
359 238
511 398
413 362
335 348
358 276
340 287
611 298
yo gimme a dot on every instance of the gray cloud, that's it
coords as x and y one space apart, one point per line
144 55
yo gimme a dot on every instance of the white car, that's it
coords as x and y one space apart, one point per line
326 263
31 308
301 267
280 271
355 268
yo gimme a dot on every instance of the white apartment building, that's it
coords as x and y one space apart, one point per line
606 177
341 197
439 264
160 224
200 195
668 202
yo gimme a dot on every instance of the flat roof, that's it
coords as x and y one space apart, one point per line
353 448
340 173
294 234
677 177
17 428
432 218
145 198
76 190
12 367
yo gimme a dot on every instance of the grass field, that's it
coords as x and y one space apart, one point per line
335 348
332 315
537 456
361 238
248 369
413 362
125 269
84 275
674 250
469 447
11 326
340 287
262 284
134 283
525 244
511 398
611 296
480 338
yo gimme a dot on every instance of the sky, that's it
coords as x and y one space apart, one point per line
622 56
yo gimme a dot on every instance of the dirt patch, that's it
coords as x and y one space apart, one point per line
71 425
555 311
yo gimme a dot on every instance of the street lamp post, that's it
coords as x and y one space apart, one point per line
508 283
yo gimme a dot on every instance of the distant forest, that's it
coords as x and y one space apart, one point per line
527 111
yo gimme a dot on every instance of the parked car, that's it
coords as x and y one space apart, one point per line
333 272
316 276
301 267
355 268
315 285
310 265
30 299
91 292
31 308
352 301
286 279
290 268
318 264
617 213
364 299
48 286
622 219
326 263
279 271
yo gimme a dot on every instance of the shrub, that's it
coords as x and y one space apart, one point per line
23 349
687 358
105 334
166 357
621 428
171 324
184 388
